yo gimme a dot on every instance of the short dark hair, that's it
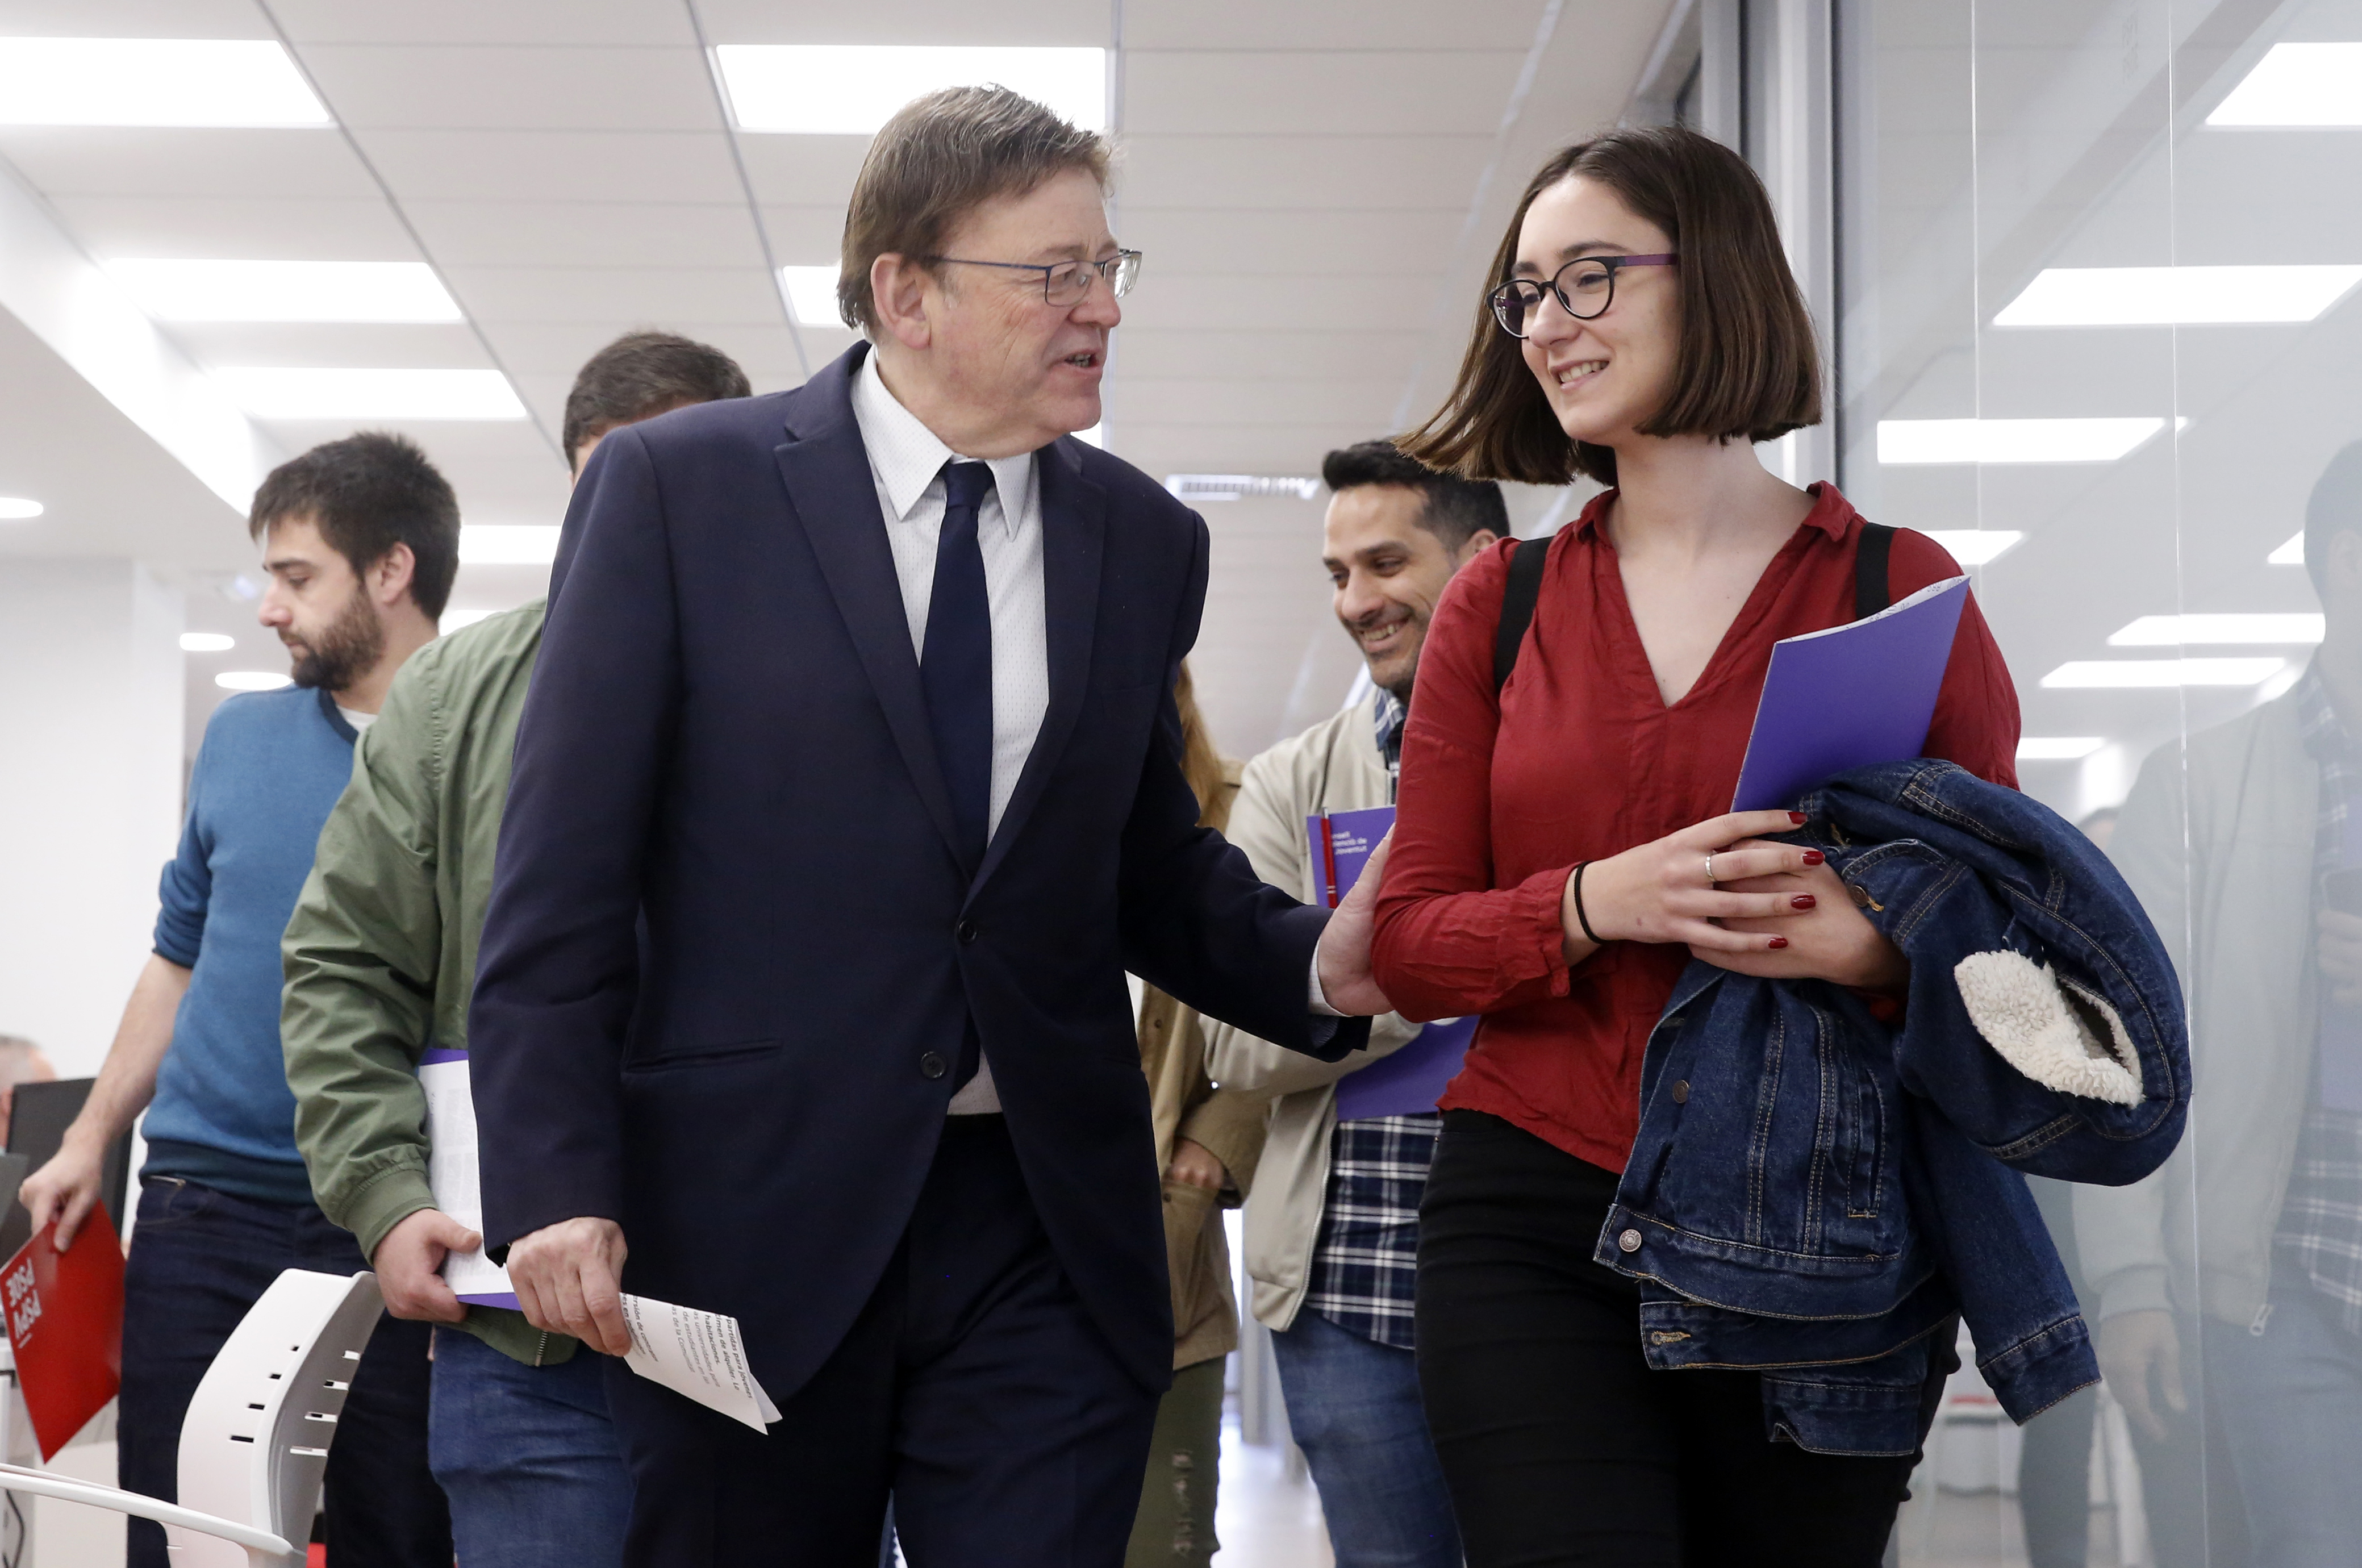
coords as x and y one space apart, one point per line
2334 508
641 375
1746 365
1452 509
938 159
367 493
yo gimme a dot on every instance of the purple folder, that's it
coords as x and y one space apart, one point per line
1412 1079
1851 696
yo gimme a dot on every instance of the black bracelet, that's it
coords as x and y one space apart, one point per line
1582 919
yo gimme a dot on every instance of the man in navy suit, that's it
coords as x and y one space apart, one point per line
848 788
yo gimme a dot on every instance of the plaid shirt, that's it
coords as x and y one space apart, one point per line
2321 1222
1365 1263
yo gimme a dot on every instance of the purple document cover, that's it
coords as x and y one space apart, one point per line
1412 1079
1850 697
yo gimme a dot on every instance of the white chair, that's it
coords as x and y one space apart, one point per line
255 1442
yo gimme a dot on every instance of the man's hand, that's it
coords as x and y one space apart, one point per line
1194 1164
2132 1345
409 1263
65 1188
569 1278
1342 960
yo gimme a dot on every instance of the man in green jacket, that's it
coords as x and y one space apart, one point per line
381 960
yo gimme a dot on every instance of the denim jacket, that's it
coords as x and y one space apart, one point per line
1814 1193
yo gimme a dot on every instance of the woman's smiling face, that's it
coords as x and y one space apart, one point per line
1607 376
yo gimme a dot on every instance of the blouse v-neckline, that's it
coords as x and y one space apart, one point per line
1632 660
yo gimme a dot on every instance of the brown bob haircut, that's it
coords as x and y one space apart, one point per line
938 159
1747 363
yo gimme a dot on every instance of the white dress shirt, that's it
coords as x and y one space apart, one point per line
907 460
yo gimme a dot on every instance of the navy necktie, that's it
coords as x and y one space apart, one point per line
955 673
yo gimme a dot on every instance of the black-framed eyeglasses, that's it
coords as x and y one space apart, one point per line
1064 283
1585 287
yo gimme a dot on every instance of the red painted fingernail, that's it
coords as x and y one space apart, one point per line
1798 818
1779 942
1814 857
1802 902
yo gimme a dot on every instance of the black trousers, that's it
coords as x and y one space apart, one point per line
974 1387
1559 1444
199 1258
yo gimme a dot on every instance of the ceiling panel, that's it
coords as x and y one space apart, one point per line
1083 23
615 294
803 170
1329 93
1252 400
548 22
1260 303
250 228
1327 24
809 235
587 234
1154 352
547 352
1304 173
577 166
132 19
377 346
85 160
1246 242
449 87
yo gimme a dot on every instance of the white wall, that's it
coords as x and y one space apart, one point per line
90 793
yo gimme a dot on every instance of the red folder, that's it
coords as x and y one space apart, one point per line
65 1322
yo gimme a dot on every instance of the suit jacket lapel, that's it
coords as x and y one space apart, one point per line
833 496
1073 528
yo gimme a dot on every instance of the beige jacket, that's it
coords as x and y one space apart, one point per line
1184 1103
1335 765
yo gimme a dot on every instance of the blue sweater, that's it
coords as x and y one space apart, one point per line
272 768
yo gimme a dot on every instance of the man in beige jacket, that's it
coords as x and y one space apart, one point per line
1332 1221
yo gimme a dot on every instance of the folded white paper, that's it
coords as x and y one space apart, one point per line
699 1354
451 1172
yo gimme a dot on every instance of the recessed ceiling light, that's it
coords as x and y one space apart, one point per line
812 292
1913 441
853 89
2126 672
286 291
153 81
2176 296
207 642
16 508
250 680
509 544
280 391
1975 547
1234 487
2171 631
2297 84
2289 554
2057 748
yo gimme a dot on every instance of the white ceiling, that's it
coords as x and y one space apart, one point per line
1316 185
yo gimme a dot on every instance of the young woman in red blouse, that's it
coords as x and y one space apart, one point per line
1646 332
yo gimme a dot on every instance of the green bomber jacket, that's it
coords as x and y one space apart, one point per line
381 954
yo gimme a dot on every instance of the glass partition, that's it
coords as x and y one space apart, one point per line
2098 329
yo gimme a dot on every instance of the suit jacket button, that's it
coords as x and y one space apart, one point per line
965 931
1681 1091
1628 1241
932 1065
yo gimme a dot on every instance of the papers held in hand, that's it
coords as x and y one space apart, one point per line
699 1354
1850 697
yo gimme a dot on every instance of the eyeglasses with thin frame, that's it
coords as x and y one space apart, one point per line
1064 283
1585 287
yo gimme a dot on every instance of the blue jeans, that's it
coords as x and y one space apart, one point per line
200 1258
527 1457
2290 1403
1353 1404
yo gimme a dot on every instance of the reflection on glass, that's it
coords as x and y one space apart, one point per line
2095 293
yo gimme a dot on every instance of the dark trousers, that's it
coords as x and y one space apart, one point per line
973 1385
1560 1446
199 1260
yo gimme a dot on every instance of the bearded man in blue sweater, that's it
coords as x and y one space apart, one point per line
360 539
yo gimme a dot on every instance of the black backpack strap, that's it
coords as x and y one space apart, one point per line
1518 593
1870 593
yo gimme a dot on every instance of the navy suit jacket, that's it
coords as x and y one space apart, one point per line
729 929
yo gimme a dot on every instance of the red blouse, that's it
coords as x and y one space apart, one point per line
1581 759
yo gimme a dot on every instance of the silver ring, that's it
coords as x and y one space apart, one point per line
1710 878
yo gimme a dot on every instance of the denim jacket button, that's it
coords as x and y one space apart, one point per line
1681 1091
1630 1241
1860 895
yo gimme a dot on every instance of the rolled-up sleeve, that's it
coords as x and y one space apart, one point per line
186 889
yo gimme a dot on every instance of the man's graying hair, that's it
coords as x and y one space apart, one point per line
937 161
